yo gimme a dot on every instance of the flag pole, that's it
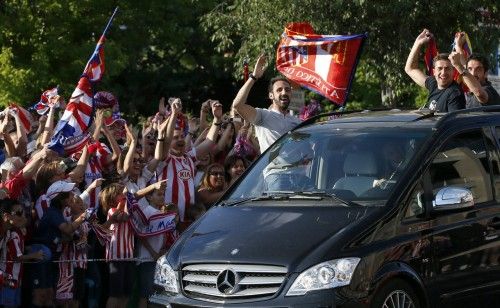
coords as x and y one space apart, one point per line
110 21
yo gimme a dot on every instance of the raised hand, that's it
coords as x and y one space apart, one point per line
176 106
260 66
161 106
424 37
459 39
205 107
55 101
99 118
216 109
96 183
129 130
456 59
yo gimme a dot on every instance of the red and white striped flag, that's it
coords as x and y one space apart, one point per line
322 63
70 134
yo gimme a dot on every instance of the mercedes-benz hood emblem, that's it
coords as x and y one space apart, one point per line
227 282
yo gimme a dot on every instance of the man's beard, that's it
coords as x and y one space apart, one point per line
283 102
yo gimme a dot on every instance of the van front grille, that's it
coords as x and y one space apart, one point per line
231 281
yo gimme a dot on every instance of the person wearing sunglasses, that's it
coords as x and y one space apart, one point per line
213 185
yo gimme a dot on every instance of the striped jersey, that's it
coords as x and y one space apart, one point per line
13 249
179 171
121 245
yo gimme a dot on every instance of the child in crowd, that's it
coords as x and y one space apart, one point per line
120 247
150 248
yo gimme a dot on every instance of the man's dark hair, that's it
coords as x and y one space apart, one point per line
274 80
59 201
440 56
482 59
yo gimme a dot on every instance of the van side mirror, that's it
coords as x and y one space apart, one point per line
452 198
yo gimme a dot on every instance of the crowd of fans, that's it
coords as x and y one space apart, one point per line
54 251
65 234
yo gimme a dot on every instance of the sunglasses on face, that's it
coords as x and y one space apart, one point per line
217 173
138 161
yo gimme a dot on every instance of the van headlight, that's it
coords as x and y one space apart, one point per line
165 276
326 275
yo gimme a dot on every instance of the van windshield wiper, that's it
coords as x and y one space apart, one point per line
322 193
273 195
285 194
234 202
292 195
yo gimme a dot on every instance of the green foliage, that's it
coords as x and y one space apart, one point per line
392 28
194 49
12 78
154 48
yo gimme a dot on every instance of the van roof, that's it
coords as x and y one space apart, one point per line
397 117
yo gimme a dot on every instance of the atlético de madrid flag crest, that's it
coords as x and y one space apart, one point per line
322 63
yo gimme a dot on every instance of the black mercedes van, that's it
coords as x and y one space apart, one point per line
370 209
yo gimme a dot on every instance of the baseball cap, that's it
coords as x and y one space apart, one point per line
115 117
59 187
104 99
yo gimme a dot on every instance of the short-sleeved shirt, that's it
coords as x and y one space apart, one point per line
47 232
449 99
471 100
121 245
179 171
271 124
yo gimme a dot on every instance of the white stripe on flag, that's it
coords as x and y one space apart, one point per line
323 62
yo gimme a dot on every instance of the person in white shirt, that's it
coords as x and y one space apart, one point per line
272 123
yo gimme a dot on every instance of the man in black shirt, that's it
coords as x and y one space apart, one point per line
474 75
444 93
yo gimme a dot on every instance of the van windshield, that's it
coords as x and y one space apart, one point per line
353 164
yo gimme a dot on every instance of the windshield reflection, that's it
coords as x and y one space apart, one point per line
360 165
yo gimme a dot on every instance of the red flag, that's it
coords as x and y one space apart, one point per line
430 53
322 63
24 116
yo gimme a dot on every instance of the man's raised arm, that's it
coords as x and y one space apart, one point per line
240 101
411 67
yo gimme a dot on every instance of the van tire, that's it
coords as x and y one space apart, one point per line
394 290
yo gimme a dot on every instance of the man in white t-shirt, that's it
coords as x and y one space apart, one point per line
272 123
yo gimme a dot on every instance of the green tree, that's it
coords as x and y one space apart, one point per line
249 27
154 48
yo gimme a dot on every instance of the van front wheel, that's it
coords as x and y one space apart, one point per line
396 294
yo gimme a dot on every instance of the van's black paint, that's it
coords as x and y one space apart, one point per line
446 257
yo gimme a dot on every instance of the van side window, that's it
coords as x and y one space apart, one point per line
463 162
416 203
